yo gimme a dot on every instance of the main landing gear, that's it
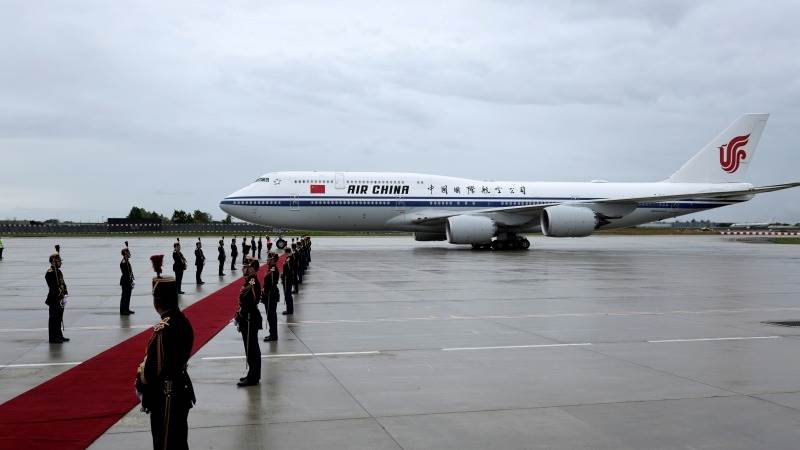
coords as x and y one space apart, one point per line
280 243
506 242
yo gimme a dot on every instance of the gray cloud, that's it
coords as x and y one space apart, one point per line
175 105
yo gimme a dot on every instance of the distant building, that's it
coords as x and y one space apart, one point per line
659 224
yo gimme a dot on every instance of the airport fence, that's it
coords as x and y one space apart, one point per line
75 228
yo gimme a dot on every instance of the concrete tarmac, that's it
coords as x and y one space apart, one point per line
609 342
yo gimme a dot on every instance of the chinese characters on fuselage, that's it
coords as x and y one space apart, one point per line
378 189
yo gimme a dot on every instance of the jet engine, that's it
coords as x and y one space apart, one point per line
568 221
429 236
467 229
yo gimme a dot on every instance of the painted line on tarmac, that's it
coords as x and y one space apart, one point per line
454 349
92 328
738 338
10 366
293 355
449 349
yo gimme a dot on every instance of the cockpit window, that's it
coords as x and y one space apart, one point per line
263 179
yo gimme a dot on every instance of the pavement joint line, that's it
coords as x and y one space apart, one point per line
452 317
452 349
738 338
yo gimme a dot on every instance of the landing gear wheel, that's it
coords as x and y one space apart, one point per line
525 244
280 243
495 245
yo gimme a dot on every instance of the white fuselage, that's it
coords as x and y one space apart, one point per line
386 201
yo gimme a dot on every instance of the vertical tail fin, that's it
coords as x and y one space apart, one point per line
725 159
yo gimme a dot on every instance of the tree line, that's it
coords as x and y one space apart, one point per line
178 216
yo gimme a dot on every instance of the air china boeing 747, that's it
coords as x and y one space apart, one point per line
496 213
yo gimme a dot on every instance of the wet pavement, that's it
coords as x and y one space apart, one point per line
603 342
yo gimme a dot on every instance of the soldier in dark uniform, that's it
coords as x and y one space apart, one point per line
270 298
56 299
126 281
199 262
295 269
248 321
287 277
245 250
234 253
253 245
162 382
269 245
301 261
221 256
178 265
259 248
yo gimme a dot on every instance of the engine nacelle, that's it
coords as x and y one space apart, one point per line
429 236
466 229
568 221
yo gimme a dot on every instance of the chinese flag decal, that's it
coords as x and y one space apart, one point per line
317 188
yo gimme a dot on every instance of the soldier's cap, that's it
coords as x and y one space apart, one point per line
252 262
165 292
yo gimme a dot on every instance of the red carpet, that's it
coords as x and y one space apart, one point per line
73 409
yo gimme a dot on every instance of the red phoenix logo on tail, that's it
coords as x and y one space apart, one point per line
733 153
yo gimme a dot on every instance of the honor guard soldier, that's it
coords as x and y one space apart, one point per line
287 277
162 382
221 256
271 297
56 300
199 261
234 253
1 249
248 321
178 266
259 247
126 281
293 260
245 250
253 245
269 245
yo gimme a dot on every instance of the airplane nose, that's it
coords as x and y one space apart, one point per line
225 205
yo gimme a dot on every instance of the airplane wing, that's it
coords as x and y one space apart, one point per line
435 216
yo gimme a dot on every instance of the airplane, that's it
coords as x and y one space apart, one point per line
496 214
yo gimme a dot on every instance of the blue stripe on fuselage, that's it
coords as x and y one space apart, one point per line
437 202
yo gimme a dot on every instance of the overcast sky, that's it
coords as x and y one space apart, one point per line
105 105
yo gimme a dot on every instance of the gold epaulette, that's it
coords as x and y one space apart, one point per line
50 269
161 325
252 282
